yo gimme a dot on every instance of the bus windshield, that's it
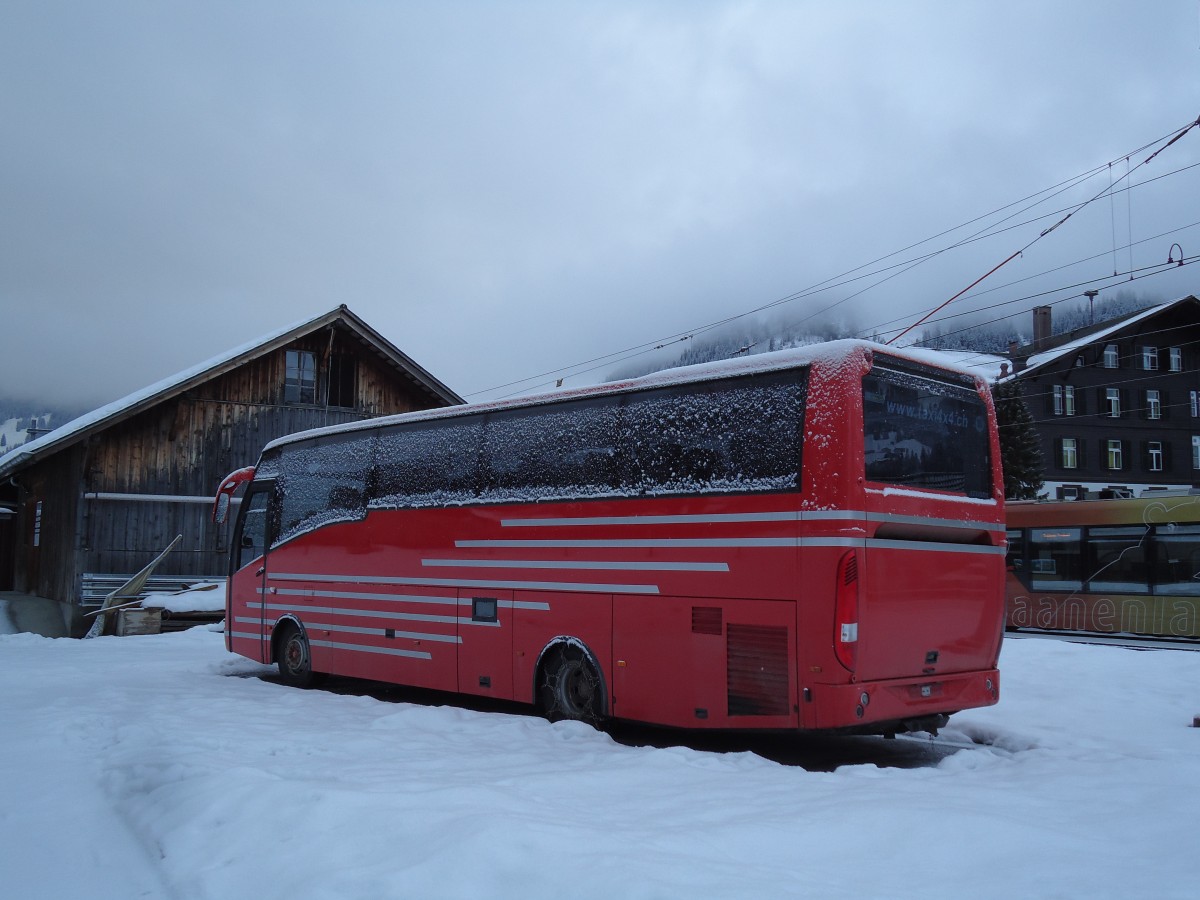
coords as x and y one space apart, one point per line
925 431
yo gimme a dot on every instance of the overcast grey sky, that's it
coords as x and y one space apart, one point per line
504 189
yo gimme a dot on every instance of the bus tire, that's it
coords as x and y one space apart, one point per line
295 658
571 688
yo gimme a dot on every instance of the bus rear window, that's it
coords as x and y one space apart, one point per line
923 431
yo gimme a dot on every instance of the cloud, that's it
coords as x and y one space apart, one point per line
506 188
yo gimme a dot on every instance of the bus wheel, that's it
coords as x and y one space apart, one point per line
571 688
295 661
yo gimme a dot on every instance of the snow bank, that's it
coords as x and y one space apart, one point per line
204 596
161 766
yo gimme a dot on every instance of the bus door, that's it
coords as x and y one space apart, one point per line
247 615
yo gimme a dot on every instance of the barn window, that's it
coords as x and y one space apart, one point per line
300 381
343 378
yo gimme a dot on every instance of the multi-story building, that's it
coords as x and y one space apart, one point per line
1117 405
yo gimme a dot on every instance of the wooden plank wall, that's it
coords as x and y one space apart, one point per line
48 569
185 446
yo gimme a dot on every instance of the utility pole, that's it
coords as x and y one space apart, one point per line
1091 295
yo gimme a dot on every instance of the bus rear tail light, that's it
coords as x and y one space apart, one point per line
845 630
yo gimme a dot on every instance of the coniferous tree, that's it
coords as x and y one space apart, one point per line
1020 451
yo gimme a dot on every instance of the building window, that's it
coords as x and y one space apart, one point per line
1115 456
1155 452
1110 356
1176 359
1195 397
1112 397
343 379
1150 359
1153 405
1064 399
1195 451
300 380
1070 453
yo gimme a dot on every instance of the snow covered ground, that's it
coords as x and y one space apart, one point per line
163 767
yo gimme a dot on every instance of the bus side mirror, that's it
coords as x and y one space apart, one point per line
224 497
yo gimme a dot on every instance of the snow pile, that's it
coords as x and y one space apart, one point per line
161 766
204 596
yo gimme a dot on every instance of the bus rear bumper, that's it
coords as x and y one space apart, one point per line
898 705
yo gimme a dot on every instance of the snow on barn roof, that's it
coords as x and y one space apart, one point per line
118 410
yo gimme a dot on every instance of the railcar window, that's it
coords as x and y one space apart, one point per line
1118 560
542 453
924 432
738 435
323 482
1177 571
1015 555
429 464
1055 559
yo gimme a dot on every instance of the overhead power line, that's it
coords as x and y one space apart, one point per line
1048 231
861 272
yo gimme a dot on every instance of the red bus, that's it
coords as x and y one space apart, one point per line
1121 566
810 539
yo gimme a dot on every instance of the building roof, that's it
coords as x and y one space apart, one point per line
1067 344
119 410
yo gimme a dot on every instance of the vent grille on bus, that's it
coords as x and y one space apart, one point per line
757 679
850 575
706 620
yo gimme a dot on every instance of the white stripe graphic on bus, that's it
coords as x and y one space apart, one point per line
714 518
397 598
570 564
644 543
719 518
358 614
362 648
585 587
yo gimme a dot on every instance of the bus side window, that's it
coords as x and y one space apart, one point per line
428 464
742 434
252 542
324 482
562 450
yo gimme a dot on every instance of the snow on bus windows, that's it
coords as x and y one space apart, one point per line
546 452
428 464
323 481
922 431
736 435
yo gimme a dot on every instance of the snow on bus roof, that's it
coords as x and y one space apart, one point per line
829 353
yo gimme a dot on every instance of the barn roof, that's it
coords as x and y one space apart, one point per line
119 410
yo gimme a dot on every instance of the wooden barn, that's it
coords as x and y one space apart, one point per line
95 500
